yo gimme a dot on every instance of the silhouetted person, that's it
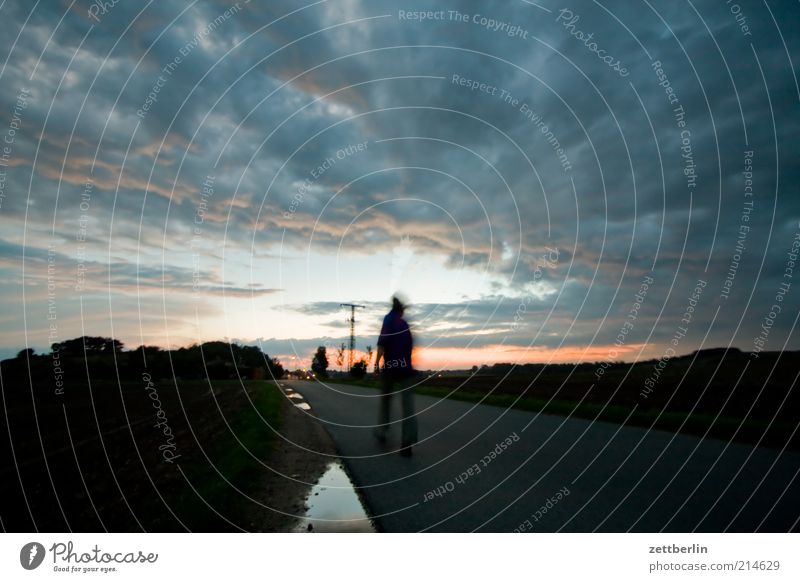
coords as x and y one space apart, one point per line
394 347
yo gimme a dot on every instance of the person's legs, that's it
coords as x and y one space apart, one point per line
384 406
409 418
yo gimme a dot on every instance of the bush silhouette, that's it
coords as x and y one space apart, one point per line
359 369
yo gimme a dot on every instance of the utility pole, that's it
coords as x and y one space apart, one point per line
352 321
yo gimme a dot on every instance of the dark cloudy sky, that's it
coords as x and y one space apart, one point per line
515 169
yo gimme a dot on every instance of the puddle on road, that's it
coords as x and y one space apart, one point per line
334 506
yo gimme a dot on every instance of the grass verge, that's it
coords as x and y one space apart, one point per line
723 427
235 454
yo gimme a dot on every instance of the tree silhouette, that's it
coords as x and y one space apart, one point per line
340 356
369 355
359 369
89 345
320 363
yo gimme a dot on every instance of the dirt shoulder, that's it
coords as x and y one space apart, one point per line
299 457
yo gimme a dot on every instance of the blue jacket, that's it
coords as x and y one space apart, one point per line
396 341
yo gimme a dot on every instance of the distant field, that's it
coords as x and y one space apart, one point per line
95 459
727 396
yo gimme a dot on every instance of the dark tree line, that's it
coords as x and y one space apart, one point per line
319 363
107 358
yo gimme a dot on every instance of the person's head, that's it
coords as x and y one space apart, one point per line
397 305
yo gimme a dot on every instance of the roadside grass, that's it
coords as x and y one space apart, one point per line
236 454
104 443
748 431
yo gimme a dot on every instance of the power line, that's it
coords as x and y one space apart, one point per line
352 321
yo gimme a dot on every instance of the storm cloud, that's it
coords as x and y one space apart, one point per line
187 172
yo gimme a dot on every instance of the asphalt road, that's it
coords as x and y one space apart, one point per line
554 474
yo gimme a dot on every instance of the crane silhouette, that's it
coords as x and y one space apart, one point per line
352 321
